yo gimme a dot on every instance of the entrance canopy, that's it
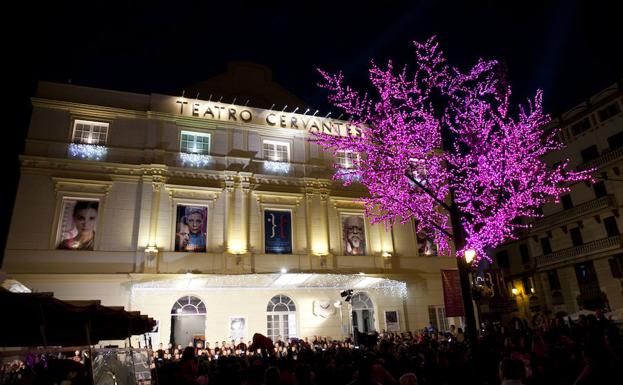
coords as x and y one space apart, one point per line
294 281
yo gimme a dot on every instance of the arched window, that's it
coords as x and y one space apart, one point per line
188 305
362 312
281 318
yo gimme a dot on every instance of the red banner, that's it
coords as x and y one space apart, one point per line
452 299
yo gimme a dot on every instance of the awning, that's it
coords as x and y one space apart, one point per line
39 319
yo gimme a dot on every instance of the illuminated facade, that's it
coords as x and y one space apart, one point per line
178 206
572 258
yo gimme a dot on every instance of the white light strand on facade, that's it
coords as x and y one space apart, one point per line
87 151
277 167
295 281
195 160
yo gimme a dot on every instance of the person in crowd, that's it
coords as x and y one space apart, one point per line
408 379
511 372
188 367
84 219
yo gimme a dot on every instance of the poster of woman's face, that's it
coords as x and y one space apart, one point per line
191 228
426 246
237 327
353 235
78 224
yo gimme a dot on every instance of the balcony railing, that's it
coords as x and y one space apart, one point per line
581 210
603 160
570 253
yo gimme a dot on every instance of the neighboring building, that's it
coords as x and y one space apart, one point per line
572 258
188 210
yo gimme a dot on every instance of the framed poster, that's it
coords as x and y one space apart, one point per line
426 246
191 228
277 232
392 322
237 328
78 224
353 235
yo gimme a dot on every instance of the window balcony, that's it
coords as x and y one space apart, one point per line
585 209
569 254
603 160
87 151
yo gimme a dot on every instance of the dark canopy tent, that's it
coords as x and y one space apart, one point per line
39 319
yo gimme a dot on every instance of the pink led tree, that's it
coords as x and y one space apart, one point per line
441 147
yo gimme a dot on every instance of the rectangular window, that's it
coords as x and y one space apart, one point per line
612 229
615 141
88 132
502 259
566 202
276 151
347 159
608 112
576 236
581 126
600 189
552 278
195 142
528 287
525 254
589 153
546 246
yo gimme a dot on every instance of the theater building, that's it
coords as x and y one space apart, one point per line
216 218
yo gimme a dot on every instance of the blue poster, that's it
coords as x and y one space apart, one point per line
277 232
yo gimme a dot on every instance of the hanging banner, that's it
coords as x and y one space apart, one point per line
452 299
277 232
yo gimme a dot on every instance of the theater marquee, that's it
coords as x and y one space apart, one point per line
234 113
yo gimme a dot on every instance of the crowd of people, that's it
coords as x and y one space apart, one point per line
557 352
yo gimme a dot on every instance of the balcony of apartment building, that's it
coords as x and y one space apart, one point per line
571 253
603 160
582 210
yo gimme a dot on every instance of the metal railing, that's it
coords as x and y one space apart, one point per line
603 159
570 253
578 211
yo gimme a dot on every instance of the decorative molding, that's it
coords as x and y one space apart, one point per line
81 186
341 204
193 192
281 199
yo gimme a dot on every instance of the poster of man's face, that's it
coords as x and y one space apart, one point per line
78 224
191 228
353 235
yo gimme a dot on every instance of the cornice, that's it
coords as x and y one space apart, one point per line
88 109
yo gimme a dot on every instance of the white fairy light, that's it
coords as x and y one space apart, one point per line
195 160
277 167
293 281
87 151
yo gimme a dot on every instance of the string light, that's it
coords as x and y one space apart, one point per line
87 151
494 165
195 160
277 167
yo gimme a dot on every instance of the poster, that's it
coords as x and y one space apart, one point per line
78 224
353 235
391 321
277 232
237 328
452 298
426 246
191 228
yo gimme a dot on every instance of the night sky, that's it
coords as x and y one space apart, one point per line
571 49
